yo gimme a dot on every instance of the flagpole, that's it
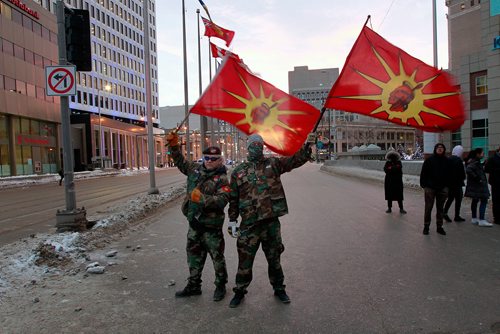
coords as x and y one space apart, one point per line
186 99
430 139
203 119
212 133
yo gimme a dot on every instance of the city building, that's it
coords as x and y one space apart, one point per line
108 113
340 131
29 119
474 48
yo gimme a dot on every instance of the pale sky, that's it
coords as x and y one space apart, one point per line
272 37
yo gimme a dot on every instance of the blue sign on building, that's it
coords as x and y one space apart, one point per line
496 43
494 7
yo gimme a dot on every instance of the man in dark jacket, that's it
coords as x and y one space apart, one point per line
435 179
207 195
257 196
457 178
492 167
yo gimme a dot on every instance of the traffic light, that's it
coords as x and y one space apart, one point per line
77 24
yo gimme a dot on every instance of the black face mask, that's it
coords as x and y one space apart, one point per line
255 152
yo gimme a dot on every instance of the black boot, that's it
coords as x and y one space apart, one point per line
440 230
188 291
389 210
282 296
426 229
219 293
447 218
238 297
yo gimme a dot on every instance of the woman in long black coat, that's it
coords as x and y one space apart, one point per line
477 187
393 182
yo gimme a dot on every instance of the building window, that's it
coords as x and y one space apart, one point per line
481 85
456 138
480 128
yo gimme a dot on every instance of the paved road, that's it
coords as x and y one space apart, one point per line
349 268
33 209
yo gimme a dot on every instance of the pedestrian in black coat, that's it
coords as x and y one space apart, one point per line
477 187
435 179
393 182
492 167
457 178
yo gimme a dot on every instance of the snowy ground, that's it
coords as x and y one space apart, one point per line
30 260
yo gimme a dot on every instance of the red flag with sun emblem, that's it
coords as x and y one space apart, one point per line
213 30
383 81
254 106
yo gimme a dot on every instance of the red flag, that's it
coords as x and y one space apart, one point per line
217 52
383 81
255 106
213 30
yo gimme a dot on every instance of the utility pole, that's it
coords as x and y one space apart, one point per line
186 99
203 119
149 105
72 218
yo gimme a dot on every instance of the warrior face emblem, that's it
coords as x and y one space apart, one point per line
260 113
402 96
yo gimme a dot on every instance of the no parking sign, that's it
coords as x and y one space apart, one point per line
60 80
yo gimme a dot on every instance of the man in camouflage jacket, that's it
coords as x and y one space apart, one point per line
206 196
257 196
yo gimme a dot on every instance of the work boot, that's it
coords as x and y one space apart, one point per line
447 218
238 297
459 219
440 230
282 296
389 210
188 291
426 229
219 293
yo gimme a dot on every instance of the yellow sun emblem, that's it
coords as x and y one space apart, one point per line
262 114
401 97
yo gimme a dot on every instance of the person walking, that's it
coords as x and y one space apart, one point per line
477 187
393 181
492 167
206 196
457 178
257 195
435 180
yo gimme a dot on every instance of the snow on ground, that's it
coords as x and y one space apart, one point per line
31 259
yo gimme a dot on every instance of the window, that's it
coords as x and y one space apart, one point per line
17 17
38 60
27 23
18 52
1 82
21 87
10 84
479 128
481 85
8 47
30 90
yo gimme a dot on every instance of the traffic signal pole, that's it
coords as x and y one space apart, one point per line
72 218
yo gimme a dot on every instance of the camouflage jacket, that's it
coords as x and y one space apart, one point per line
256 189
214 186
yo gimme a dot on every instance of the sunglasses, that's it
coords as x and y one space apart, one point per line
211 158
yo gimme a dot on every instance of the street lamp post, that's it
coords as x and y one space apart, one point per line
107 88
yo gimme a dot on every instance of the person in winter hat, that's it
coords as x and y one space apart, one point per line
435 179
477 187
393 181
457 178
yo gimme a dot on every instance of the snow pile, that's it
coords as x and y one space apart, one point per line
410 181
31 259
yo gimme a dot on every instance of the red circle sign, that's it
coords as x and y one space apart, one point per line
61 75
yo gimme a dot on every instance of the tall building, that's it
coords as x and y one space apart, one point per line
29 119
109 111
474 48
340 131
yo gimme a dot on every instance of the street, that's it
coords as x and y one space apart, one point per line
349 268
33 209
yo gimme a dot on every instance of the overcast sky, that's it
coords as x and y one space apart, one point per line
273 37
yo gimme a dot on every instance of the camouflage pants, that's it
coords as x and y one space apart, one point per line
199 243
267 233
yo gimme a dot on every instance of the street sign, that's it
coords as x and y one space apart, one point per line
60 80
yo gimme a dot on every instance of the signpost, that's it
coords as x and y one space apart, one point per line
60 80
